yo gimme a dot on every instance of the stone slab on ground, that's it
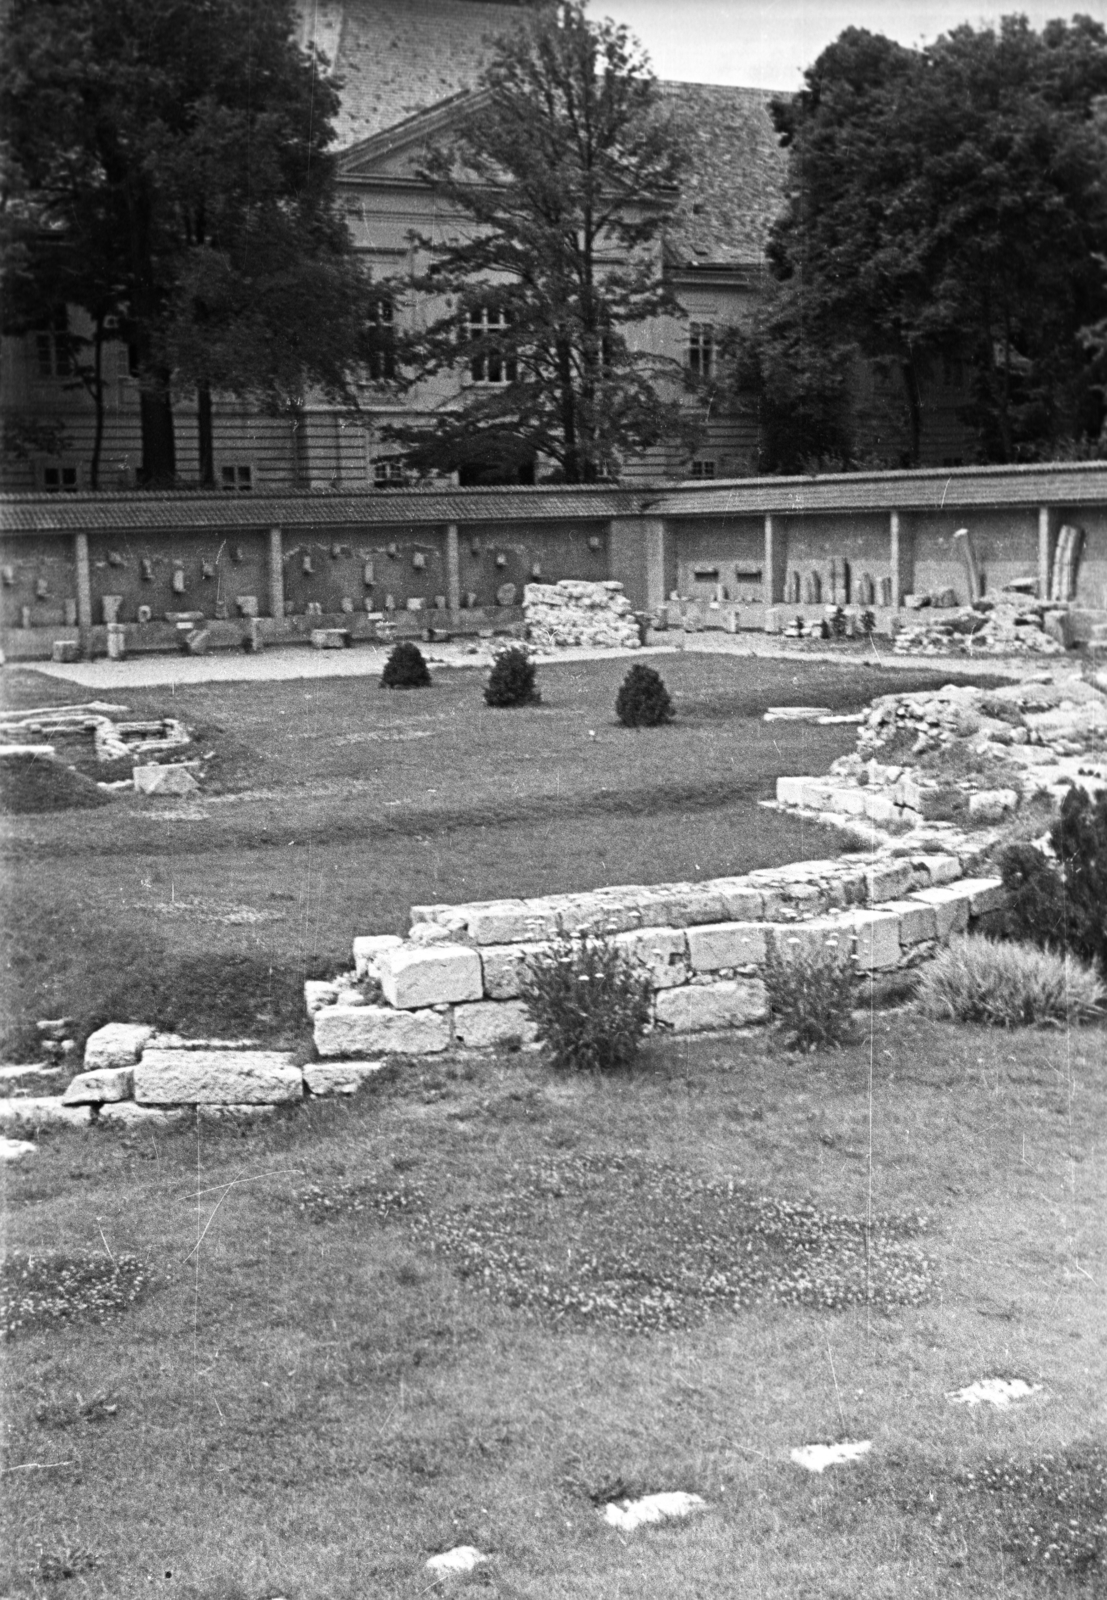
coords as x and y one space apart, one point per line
698 1007
127 1113
485 1023
94 1088
36 1111
438 974
342 1077
116 1044
357 1032
16 1149
950 905
217 1077
158 780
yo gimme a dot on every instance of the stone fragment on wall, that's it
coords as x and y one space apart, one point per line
342 1077
575 612
94 1088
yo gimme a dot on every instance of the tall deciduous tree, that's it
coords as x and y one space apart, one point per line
563 168
170 159
949 201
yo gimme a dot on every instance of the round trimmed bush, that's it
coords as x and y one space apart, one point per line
405 668
643 700
511 680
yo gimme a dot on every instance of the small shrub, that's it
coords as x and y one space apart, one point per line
1007 985
589 1002
405 668
812 994
1059 903
643 700
511 680
868 623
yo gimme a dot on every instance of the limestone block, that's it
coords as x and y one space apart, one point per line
619 910
876 936
425 933
581 913
117 1044
681 905
790 791
504 968
726 944
499 922
695 1007
490 1022
358 1032
37 1111
951 907
880 809
93 1088
906 792
741 902
663 950
850 802
369 946
329 638
811 937
917 922
939 869
318 994
985 894
992 805
440 974
218 1077
889 880
126 1111
343 1077
164 780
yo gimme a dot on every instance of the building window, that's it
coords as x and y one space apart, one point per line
703 468
491 365
237 479
701 349
59 480
388 474
382 342
53 350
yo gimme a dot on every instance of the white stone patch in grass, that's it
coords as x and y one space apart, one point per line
462 1558
796 713
634 1514
994 1392
16 1149
817 1457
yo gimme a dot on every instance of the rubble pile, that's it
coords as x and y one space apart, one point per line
574 612
1000 625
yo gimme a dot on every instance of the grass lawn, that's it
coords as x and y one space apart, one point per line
331 805
481 1298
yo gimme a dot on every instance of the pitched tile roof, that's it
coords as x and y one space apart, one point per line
394 57
736 183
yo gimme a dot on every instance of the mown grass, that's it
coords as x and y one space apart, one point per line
329 808
312 1407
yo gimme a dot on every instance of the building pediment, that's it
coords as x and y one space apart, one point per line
400 153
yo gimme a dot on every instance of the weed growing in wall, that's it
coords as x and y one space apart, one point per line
812 992
589 1002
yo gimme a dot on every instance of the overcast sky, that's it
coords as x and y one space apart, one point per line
768 43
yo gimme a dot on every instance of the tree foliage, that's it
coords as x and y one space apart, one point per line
563 171
169 173
944 202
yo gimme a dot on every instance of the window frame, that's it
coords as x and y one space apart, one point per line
480 322
238 483
701 350
703 468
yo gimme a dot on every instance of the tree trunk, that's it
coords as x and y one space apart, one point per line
206 436
98 401
159 451
914 408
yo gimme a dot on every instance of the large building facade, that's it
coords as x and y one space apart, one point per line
405 69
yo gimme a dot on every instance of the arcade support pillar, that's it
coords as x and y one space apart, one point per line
276 573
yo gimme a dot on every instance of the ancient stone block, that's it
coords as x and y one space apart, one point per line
876 938
358 1032
318 994
951 907
117 1044
504 967
985 894
917 922
992 805
500 922
880 809
342 1077
790 791
741 903
93 1088
65 650
664 951
369 946
491 1022
436 975
726 944
939 869
247 605
216 1077
164 780
329 638
889 880
696 1007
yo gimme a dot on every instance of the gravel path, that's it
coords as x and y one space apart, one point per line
366 660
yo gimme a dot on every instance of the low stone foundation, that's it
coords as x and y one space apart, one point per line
456 980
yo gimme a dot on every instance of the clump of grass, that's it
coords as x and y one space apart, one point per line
38 1289
589 1002
812 993
1052 1509
617 1241
1008 985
